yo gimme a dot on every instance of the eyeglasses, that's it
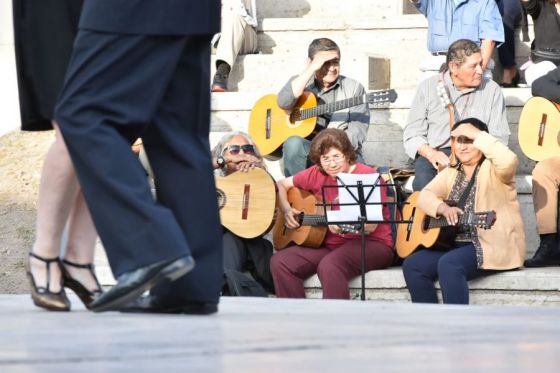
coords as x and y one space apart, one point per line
335 158
235 149
463 140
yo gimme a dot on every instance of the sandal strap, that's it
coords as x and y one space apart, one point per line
47 262
89 266
43 259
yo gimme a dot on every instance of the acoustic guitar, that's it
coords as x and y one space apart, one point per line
539 129
425 231
313 225
247 202
270 126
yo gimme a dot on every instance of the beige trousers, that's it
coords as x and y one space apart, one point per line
237 37
546 179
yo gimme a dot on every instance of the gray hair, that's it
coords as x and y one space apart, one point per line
460 50
224 141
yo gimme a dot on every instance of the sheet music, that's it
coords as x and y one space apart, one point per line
352 212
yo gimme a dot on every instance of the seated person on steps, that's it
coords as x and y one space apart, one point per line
338 260
322 78
546 179
476 252
238 36
451 20
236 151
545 48
426 134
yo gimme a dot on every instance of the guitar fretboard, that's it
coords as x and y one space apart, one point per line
331 107
313 220
468 218
372 97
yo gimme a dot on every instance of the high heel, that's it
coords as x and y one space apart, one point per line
86 296
43 296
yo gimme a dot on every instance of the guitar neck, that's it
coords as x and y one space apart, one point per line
466 219
313 220
373 97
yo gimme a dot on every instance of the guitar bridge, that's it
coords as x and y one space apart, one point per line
542 128
268 124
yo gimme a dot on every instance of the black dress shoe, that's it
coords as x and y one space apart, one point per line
156 304
548 253
131 285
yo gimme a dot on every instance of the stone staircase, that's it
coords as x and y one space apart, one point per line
382 43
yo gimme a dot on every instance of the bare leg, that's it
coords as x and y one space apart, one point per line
57 192
81 243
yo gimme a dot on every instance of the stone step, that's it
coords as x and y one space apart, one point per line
526 287
364 42
231 110
329 8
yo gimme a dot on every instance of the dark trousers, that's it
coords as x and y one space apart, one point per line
424 172
253 255
511 11
453 268
122 86
335 268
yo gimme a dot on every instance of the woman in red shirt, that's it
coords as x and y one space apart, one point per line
338 259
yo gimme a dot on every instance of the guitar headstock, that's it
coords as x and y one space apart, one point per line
350 228
381 97
485 220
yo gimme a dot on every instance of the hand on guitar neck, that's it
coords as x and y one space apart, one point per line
291 218
450 213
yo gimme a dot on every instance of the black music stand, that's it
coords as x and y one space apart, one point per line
357 191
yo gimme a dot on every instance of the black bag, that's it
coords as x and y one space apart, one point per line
548 54
240 285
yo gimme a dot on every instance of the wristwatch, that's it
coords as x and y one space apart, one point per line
221 161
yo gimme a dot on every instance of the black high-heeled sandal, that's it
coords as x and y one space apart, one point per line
43 296
86 296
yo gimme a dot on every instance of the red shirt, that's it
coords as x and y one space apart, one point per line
312 179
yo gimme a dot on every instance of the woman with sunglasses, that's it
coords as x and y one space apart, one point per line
236 151
338 260
491 167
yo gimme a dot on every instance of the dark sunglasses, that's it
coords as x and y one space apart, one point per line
235 149
463 140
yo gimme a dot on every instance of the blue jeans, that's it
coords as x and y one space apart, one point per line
511 11
424 172
295 155
453 268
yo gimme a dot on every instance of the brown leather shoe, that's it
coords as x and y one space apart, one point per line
43 296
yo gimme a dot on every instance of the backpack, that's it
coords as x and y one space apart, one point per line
240 285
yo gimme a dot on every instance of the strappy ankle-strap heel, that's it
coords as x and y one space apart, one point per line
86 296
43 296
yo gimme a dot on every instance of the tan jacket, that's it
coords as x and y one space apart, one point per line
503 246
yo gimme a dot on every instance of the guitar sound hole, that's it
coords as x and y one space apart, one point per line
295 116
221 198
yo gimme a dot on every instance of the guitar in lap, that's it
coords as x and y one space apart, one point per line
270 126
247 202
313 225
425 231
539 129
